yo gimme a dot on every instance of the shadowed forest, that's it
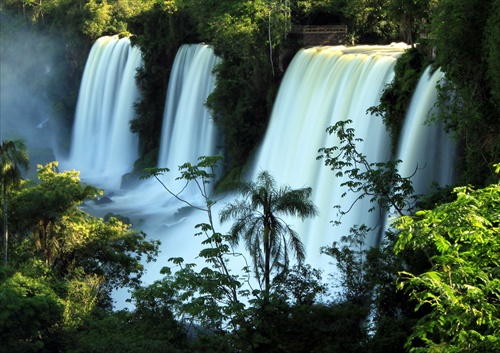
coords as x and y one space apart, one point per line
432 283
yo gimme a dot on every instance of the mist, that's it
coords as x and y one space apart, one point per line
28 87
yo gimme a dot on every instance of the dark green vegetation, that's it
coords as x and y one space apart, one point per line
463 285
13 158
258 222
438 293
63 263
397 96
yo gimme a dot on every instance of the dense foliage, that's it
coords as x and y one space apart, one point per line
464 38
463 286
396 97
63 264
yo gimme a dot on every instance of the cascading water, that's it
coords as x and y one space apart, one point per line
103 148
322 86
425 150
188 131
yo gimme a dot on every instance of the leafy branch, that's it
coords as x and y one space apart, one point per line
209 291
380 181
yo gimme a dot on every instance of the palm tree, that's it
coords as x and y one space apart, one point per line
258 222
13 157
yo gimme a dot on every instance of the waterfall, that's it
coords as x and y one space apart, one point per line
425 150
322 86
188 131
103 148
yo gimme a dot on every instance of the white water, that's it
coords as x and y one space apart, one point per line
103 148
425 150
188 131
321 87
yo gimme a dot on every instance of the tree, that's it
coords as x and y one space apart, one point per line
367 276
380 181
41 207
409 13
91 255
210 297
150 327
464 41
368 20
13 158
31 311
259 223
299 319
462 289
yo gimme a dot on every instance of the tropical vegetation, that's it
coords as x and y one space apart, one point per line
432 284
259 222
13 157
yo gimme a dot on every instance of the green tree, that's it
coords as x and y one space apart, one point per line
40 207
209 297
366 277
462 289
64 266
149 327
379 181
30 312
93 256
299 318
258 222
13 158
464 39
409 14
367 20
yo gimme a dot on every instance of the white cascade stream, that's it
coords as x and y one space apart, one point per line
321 87
188 131
425 150
102 146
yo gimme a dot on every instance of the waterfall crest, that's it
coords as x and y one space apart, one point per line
103 148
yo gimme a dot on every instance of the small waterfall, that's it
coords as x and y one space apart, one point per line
188 131
425 146
322 86
103 148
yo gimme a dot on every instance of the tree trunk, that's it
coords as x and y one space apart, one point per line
5 228
267 265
